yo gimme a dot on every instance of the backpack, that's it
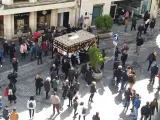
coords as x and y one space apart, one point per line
31 105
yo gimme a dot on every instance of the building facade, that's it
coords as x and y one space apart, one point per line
33 14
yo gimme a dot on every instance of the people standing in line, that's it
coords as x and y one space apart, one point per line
15 65
23 50
140 30
6 113
71 75
124 58
145 111
96 116
12 51
1 58
139 43
151 58
47 86
32 51
118 75
152 25
116 54
55 84
5 48
65 89
14 115
92 91
70 96
45 46
31 105
56 102
137 103
39 55
127 95
126 23
38 84
20 35
153 106
66 66
36 36
154 72
75 106
81 111
134 22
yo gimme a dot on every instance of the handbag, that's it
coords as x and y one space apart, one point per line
6 93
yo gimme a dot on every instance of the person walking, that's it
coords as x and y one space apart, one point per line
70 96
116 54
88 76
154 72
14 115
55 84
31 105
118 75
137 103
47 86
71 75
151 58
124 58
39 55
23 50
75 106
139 43
140 30
81 111
38 84
84 68
15 65
127 95
19 36
65 88
145 111
152 25
32 51
131 79
11 95
134 22
56 102
36 36
53 72
5 48
66 66
6 113
12 51
45 46
153 106
96 116
92 91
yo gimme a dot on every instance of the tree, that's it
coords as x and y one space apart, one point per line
95 58
104 22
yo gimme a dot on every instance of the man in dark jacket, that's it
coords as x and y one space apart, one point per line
39 55
116 54
6 113
66 66
70 96
140 30
139 43
151 58
15 65
53 72
92 91
96 116
152 25
5 48
88 76
57 63
124 58
145 111
154 72
38 84
118 75
124 79
71 75
134 22
84 68
12 51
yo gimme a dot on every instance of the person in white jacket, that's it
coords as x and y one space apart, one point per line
31 105
82 110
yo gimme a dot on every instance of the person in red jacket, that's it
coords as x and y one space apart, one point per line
45 46
36 36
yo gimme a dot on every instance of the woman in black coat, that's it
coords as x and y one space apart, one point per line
38 84
88 77
70 96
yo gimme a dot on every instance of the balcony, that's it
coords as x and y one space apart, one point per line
38 3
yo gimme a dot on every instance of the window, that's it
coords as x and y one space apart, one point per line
20 0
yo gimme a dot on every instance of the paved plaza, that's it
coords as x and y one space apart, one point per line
107 100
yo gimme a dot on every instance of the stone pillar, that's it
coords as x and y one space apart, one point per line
8 22
32 1
33 21
54 17
72 16
61 19
7 2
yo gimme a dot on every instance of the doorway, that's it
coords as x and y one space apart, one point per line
97 11
113 11
65 19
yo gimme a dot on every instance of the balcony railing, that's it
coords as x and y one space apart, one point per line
38 3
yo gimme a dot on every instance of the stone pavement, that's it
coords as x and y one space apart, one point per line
107 100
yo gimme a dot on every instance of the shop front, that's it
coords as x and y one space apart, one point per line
42 18
1 27
146 6
21 22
